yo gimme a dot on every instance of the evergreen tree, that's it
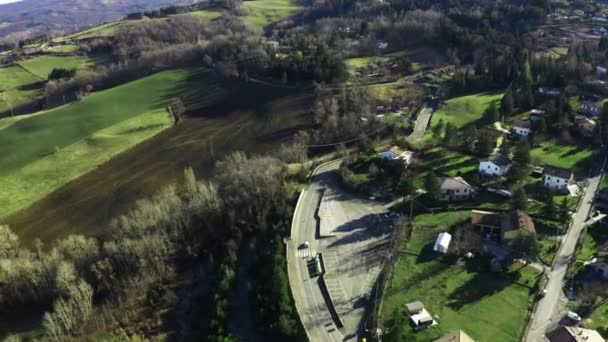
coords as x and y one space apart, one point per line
432 186
549 206
507 103
449 136
469 137
437 129
491 114
519 201
564 212
521 155
484 146
525 246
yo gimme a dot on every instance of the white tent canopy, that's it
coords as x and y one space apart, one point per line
442 243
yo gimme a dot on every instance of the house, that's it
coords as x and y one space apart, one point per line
585 125
396 153
496 165
442 243
502 226
418 315
591 108
381 45
557 178
536 114
522 127
552 92
455 336
455 189
574 334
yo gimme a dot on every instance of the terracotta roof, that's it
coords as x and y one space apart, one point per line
522 123
455 336
508 221
557 172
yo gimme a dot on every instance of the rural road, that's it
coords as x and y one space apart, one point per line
353 252
550 309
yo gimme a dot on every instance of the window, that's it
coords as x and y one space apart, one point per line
457 190
548 178
488 166
496 168
466 190
557 181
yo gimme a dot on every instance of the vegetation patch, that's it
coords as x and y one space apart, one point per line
487 306
464 110
566 156
265 12
43 65
60 145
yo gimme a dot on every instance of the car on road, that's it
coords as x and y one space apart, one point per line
573 316
305 245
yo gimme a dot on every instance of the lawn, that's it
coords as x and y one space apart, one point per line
446 163
386 92
60 145
264 12
594 237
207 14
487 306
566 156
104 30
12 78
69 48
464 110
216 125
548 249
598 318
43 65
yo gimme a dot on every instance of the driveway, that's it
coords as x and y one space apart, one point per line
422 122
551 308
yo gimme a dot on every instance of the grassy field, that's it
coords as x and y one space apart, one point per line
386 92
263 117
461 111
265 12
69 48
60 145
487 306
566 156
43 65
204 14
103 30
12 78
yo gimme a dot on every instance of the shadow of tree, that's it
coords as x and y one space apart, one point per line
482 285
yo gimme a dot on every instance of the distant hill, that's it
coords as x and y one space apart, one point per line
27 18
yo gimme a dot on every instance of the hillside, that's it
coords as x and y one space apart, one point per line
28 18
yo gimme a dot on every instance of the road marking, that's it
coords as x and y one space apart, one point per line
306 253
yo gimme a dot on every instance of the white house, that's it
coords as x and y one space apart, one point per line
455 189
522 127
395 153
557 178
496 165
442 243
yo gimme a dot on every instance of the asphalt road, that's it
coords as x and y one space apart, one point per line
352 257
551 308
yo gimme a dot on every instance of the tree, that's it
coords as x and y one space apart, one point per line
177 108
449 137
469 137
507 103
484 146
432 186
437 129
58 73
521 155
563 213
525 245
9 242
549 206
491 114
519 200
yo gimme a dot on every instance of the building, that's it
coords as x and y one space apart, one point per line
418 315
381 45
574 334
502 226
396 153
522 127
591 108
557 178
496 165
455 336
584 125
455 189
442 243
551 92
536 114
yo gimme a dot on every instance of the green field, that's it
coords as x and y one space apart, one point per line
566 156
216 125
104 30
69 48
43 65
13 77
487 306
60 145
265 12
464 110
207 14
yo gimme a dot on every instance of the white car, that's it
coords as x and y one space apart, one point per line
573 316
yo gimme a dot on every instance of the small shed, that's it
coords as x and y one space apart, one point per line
442 243
414 307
